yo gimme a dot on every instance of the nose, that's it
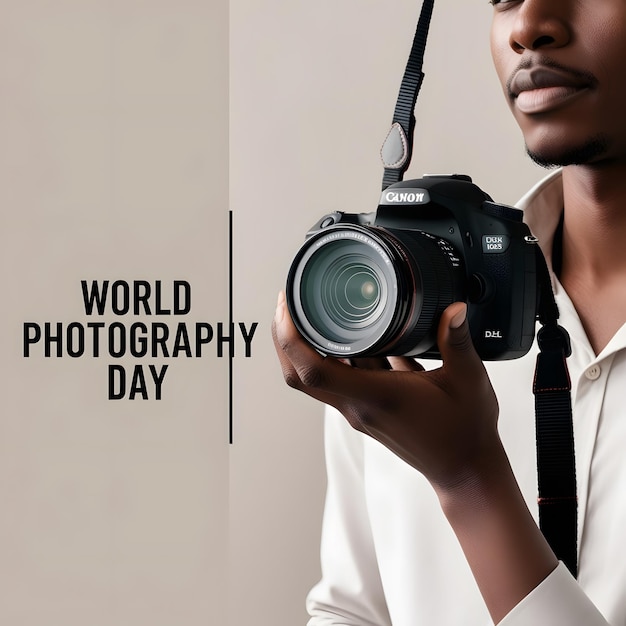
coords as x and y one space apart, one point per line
540 24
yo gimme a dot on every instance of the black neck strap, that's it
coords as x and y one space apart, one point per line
552 388
398 147
556 466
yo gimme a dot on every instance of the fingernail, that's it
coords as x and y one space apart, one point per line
459 317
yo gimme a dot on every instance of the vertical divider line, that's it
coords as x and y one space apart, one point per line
230 327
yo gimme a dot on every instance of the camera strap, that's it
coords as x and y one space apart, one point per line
398 146
556 468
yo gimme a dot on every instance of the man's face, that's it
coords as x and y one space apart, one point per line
561 64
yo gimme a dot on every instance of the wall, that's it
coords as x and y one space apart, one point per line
129 130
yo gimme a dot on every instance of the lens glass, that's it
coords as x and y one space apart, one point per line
344 290
350 290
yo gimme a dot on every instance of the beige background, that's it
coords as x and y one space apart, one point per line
113 165
313 87
128 128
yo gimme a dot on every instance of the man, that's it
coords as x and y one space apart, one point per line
389 550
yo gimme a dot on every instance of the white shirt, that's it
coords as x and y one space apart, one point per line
389 556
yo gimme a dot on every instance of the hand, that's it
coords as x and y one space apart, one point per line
442 422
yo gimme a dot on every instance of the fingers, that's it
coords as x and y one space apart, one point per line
370 363
404 364
301 365
326 379
395 363
306 370
455 342
367 390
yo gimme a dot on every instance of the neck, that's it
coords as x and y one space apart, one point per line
593 267
594 229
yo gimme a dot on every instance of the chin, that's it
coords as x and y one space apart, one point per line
584 154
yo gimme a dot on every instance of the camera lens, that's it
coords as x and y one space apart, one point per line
356 290
350 290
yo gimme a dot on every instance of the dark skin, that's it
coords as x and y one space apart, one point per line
572 116
587 38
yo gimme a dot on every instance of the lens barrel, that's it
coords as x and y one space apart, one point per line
363 291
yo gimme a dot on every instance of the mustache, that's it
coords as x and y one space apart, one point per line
541 61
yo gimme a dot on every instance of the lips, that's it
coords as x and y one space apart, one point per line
540 88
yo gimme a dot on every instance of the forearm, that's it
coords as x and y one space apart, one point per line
504 547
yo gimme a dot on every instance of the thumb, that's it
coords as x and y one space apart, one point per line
454 340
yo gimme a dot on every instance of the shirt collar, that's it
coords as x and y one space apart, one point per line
543 207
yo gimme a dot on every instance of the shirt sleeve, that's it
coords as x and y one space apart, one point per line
557 601
350 592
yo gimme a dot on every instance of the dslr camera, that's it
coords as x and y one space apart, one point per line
375 284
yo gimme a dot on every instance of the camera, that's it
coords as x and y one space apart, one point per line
375 284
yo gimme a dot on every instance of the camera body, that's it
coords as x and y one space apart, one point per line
375 284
